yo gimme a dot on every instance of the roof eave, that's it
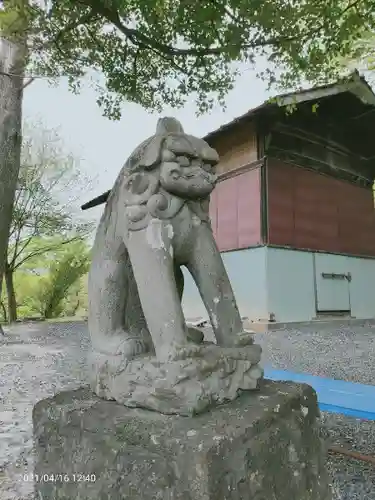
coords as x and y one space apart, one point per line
355 84
359 88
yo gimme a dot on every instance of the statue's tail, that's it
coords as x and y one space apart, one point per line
99 200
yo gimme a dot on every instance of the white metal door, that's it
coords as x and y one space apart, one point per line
332 283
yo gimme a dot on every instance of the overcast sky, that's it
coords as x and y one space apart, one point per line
104 145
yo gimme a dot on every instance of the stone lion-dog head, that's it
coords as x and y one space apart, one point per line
164 172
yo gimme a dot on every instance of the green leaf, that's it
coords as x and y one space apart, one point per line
160 52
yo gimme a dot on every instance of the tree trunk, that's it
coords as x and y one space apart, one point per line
5 314
47 314
12 65
76 307
11 294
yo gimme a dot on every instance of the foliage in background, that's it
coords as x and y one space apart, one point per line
156 52
50 186
75 303
362 56
36 279
62 274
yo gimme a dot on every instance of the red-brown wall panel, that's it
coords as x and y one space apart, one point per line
235 211
213 212
312 211
280 184
249 208
227 226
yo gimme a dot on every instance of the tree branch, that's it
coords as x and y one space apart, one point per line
90 16
44 250
136 37
18 251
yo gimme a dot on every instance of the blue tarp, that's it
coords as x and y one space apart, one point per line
335 396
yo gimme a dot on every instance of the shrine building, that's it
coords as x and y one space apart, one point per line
293 212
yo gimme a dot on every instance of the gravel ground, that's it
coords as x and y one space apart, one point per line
36 361
339 352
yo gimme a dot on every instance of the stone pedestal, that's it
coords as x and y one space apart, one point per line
262 446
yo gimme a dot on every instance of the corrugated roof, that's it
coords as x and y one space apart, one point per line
354 83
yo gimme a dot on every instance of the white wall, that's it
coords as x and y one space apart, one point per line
291 288
362 287
191 301
332 295
290 283
247 273
282 282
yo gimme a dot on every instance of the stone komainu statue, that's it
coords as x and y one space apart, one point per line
155 221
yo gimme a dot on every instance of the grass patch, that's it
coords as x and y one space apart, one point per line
66 319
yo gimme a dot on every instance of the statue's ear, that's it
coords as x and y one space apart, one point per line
151 155
169 125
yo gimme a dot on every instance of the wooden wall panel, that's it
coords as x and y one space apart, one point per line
235 211
315 211
227 226
249 208
280 185
356 219
236 148
311 211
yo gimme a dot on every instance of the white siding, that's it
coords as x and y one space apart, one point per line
362 287
247 272
290 284
282 282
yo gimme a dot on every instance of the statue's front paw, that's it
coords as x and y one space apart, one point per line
130 348
123 345
186 351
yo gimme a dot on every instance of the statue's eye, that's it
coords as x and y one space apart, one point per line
184 161
196 162
167 155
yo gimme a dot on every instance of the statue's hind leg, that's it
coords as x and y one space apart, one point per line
193 334
116 322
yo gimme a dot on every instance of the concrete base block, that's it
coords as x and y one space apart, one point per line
263 446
